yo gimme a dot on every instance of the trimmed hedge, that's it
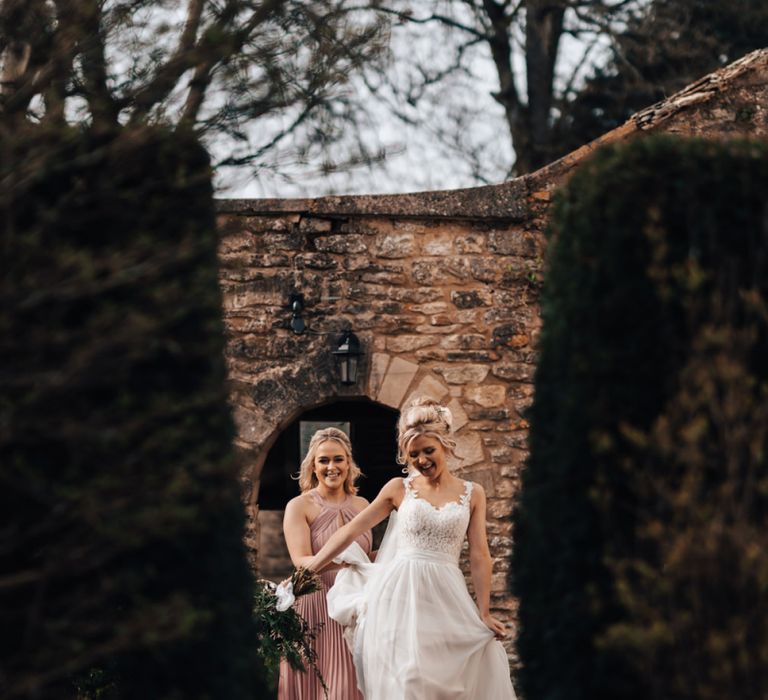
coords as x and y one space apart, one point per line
121 554
641 557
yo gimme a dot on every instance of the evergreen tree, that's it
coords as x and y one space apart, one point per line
666 46
641 550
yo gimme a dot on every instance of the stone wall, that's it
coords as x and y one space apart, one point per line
443 308
441 288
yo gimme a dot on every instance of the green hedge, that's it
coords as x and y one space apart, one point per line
121 555
641 556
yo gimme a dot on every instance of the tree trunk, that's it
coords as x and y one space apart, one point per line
543 29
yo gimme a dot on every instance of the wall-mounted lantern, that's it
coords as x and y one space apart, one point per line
348 353
297 306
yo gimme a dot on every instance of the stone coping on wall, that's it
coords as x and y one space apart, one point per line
507 201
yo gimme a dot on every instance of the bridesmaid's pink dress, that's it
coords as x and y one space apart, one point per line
333 657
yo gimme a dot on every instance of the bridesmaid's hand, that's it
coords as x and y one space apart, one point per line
496 626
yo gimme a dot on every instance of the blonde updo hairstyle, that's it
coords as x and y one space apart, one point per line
308 479
424 416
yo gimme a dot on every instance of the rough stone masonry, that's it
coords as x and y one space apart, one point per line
442 289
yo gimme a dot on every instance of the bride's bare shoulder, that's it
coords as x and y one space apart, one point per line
392 491
478 494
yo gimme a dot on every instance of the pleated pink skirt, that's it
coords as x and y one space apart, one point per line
333 657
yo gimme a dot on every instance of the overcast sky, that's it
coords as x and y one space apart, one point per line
417 158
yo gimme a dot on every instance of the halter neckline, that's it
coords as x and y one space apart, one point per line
315 494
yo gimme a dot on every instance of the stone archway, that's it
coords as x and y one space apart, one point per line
391 383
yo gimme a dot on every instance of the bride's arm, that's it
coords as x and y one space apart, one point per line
372 515
480 561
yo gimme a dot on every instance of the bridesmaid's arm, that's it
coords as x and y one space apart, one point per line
297 533
372 515
480 561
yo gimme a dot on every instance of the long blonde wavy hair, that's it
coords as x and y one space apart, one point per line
306 477
424 416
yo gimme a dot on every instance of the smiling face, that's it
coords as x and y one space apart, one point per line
427 455
331 465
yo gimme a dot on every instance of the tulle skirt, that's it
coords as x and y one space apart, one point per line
420 636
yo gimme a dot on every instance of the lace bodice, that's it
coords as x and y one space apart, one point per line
424 527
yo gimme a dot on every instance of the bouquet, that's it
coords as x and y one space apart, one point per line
283 633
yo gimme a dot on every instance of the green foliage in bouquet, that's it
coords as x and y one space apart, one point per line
641 557
285 634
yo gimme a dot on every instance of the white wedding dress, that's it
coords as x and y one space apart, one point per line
414 630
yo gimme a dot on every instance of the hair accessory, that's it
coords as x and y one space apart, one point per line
445 415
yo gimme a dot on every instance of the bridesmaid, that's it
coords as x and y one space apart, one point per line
328 500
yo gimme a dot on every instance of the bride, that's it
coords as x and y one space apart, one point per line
416 634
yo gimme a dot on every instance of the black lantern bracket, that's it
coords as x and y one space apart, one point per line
298 326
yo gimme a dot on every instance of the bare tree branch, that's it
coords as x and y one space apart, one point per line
202 75
219 41
209 49
24 36
501 53
408 16
244 160
577 69
83 19
15 58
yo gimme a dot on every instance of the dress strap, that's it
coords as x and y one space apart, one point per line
316 497
467 493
